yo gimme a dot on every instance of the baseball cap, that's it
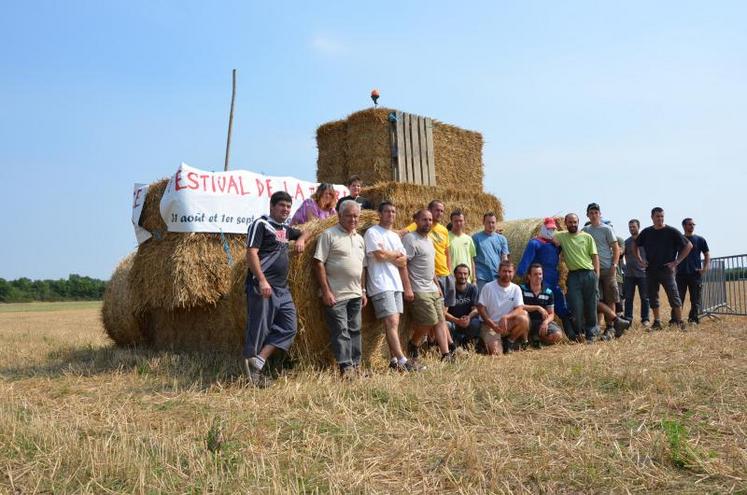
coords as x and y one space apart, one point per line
593 206
550 223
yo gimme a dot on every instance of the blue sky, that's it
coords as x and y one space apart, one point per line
629 104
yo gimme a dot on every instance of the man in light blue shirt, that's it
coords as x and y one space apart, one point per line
491 248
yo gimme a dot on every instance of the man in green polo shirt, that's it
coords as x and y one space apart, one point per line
580 254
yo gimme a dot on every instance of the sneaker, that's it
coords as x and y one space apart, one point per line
606 335
693 322
452 347
412 350
255 375
679 324
620 325
348 372
656 325
509 347
646 324
449 357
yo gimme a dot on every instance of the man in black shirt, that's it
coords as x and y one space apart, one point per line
271 318
355 184
690 271
463 318
665 248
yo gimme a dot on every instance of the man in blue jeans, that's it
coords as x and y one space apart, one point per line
690 271
338 261
635 276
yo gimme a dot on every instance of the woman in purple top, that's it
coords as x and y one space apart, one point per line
321 205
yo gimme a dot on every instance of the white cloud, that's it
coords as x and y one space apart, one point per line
327 45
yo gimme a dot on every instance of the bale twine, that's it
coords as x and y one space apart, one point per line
520 232
458 157
117 314
408 198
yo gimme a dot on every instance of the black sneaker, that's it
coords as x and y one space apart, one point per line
412 350
452 347
620 325
449 357
408 367
656 325
508 346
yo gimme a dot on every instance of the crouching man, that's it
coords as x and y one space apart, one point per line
505 324
271 319
539 302
338 261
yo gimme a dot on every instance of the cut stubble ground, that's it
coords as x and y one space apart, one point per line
660 412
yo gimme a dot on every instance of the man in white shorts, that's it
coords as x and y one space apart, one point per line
387 266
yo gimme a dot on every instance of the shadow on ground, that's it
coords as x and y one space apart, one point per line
186 369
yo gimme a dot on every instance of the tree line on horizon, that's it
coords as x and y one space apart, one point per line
75 288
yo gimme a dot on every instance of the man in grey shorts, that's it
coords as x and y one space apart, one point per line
338 261
386 267
422 290
609 255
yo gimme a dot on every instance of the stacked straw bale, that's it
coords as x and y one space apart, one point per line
408 198
458 155
332 162
117 312
361 145
520 232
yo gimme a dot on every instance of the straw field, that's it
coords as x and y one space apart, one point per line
651 413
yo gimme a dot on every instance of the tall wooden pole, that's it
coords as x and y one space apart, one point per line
230 122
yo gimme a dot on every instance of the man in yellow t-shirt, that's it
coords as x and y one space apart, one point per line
579 252
440 238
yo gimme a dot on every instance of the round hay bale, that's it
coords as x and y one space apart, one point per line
183 271
207 328
117 313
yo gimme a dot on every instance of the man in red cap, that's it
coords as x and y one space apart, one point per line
541 250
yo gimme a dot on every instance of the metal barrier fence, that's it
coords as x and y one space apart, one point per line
724 289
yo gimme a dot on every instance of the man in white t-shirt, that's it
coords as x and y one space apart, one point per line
387 266
501 306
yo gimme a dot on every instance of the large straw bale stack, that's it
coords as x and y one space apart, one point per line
408 198
117 313
520 232
312 342
332 163
458 157
361 144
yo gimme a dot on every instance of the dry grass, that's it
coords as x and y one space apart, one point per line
662 412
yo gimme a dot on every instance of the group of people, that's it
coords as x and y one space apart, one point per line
458 289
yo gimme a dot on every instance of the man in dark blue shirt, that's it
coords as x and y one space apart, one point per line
539 302
690 271
271 314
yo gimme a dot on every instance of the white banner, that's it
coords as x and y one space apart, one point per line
138 200
199 201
